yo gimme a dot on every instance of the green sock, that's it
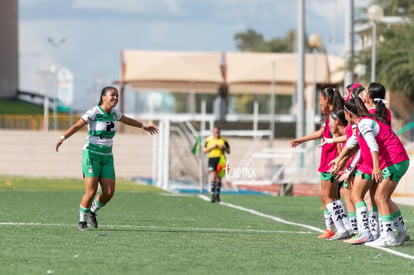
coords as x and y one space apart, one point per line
96 205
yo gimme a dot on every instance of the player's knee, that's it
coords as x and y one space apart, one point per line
380 198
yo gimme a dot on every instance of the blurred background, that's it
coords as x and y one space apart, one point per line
252 67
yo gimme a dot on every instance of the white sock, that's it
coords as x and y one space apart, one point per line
83 213
399 223
337 213
362 217
96 205
345 218
328 220
387 228
374 223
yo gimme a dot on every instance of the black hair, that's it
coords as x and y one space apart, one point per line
356 91
334 98
349 86
377 92
357 106
103 92
339 114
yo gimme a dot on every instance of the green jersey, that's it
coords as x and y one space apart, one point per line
101 129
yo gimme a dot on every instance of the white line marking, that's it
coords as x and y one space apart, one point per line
254 212
165 228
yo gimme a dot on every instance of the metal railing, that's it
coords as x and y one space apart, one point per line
36 122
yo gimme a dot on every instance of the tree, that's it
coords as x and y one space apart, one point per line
395 54
252 41
249 40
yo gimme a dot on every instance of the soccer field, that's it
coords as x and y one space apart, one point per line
144 230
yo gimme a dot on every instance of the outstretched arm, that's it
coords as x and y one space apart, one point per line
69 132
135 123
314 135
339 139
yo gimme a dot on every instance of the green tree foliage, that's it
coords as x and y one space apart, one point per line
395 53
396 7
252 41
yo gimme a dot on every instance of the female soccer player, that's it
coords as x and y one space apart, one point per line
97 158
339 125
329 100
386 160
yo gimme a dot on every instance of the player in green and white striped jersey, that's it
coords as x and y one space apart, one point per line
97 158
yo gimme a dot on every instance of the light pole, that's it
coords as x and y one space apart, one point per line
45 77
55 44
315 42
300 83
375 14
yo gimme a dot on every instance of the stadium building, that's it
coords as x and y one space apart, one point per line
9 69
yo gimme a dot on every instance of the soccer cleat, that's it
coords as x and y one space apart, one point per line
339 236
383 242
92 218
375 236
83 226
326 234
402 237
363 238
213 198
354 237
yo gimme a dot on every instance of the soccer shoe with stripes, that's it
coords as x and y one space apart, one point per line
402 237
363 238
326 234
83 226
383 242
339 236
354 236
92 219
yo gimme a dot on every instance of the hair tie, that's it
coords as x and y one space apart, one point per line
380 100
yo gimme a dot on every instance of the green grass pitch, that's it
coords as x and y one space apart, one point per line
144 230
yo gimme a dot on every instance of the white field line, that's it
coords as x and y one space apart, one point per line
163 228
257 213
254 212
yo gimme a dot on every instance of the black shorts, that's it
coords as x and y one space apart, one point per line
212 164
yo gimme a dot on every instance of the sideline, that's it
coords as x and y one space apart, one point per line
254 212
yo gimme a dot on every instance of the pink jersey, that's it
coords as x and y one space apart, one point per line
391 150
349 132
329 151
372 111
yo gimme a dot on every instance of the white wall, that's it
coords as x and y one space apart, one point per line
31 153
